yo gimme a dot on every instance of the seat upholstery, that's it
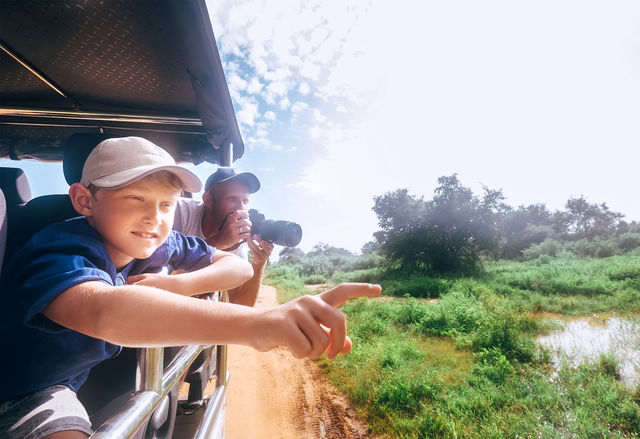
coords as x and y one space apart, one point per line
24 221
14 184
3 226
76 151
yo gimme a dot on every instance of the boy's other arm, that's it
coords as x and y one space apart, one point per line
138 316
226 271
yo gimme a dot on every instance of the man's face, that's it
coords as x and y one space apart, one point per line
228 196
134 220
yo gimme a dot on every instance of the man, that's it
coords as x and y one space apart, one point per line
222 219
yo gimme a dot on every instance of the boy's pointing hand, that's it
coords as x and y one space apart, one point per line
311 325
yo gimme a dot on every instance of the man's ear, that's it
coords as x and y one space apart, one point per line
81 199
207 200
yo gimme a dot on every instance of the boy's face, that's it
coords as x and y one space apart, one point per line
133 220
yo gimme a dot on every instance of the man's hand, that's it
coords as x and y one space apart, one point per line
236 228
260 249
311 325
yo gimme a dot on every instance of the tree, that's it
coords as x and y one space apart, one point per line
582 219
524 227
291 255
370 247
448 233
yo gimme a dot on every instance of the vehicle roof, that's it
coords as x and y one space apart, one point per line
118 67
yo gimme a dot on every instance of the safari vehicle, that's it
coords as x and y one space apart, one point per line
72 73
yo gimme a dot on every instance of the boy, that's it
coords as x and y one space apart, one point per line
82 288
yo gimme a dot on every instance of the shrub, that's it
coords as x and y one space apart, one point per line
281 272
593 248
503 330
549 247
411 312
624 269
314 279
607 364
415 286
370 275
492 364
402 394
629 241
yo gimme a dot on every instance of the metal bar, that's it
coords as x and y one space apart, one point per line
34 71
149 369
99 116
137 410
140 406
211 421
108 127
221 357
227 154
132 416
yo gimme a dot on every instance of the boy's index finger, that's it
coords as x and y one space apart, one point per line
343 292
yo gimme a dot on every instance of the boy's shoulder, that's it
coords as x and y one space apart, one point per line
71 237
71 229
67 236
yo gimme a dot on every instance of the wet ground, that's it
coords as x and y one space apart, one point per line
585 339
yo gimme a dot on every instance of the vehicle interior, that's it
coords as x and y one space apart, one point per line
73 73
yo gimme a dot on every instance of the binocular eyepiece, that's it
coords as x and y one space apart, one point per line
280 232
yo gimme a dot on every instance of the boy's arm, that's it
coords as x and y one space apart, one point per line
225 271
134 315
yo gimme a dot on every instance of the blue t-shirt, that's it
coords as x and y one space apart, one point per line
36 352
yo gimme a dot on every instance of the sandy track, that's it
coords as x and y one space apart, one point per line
272 395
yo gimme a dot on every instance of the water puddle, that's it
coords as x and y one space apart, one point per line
585 339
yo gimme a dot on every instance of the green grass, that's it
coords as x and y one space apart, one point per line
467 366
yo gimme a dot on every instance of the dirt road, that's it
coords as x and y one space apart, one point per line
272 395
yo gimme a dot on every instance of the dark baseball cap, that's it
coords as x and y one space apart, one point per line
227 173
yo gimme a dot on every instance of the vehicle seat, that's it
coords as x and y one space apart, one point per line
14 184
27 219
3 226
15 193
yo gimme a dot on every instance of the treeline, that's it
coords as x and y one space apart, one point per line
456 230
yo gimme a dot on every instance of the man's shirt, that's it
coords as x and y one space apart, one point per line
188 221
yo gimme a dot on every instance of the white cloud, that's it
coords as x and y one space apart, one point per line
236 83
299 107
262 143
304 88
270 116
319 116
254 86
248 111
315 132
274 92
284 103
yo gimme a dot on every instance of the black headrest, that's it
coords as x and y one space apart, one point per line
78 148
35 216
15 186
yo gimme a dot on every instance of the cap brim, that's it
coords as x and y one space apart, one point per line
247 178
189 181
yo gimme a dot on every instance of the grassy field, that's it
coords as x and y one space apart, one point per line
467 365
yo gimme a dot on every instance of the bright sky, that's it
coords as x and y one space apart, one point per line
341 101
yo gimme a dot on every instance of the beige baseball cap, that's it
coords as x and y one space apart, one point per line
120 161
